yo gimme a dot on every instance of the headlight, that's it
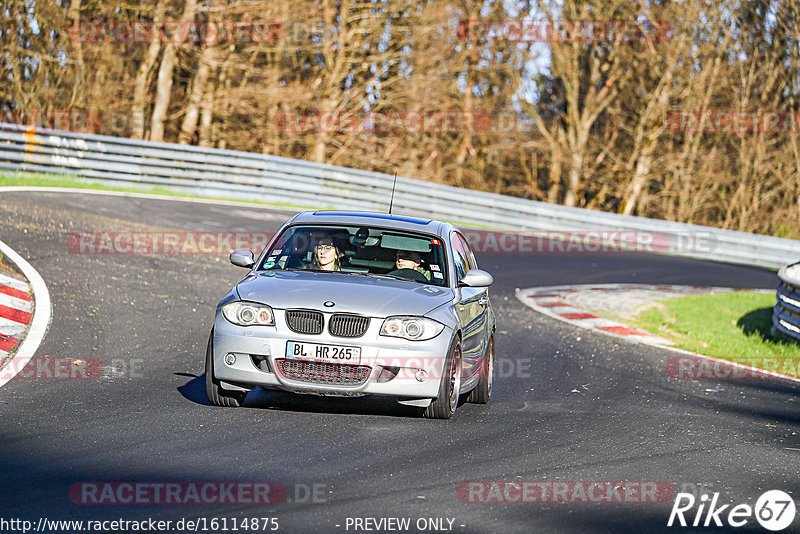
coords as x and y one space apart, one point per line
413 328
248 313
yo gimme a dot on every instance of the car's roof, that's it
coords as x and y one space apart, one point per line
385 220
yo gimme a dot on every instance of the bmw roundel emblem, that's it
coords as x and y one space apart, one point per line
329 304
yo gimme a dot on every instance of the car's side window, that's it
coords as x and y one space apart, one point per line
460 255
468 251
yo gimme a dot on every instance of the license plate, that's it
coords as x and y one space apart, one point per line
323 353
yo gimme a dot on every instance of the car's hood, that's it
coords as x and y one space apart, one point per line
373 296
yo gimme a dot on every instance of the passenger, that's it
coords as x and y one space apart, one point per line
411 260
326 256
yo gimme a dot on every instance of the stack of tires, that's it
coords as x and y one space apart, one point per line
786 314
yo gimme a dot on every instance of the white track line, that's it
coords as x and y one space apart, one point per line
41 317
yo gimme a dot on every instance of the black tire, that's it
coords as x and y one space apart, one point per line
444 406
216 395
483 391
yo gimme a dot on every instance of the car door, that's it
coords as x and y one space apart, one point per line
471 308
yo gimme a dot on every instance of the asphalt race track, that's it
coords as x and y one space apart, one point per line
148 317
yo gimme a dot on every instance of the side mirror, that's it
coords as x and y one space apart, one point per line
476 278
243 258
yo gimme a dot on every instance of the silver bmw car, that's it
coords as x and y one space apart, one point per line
353 304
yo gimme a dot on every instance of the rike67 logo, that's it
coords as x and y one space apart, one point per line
774 510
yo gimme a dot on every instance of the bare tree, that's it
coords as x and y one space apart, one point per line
165 71
143 78
198 90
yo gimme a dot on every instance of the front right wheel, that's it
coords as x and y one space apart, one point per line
444 406
216 394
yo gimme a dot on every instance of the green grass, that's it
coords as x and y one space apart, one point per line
64 180
731 326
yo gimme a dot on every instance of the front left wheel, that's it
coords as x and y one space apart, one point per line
483 391
216 394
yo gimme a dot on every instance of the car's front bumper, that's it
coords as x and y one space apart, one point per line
393 362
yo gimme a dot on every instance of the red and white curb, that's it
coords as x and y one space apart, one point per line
16 307
569 303
25 315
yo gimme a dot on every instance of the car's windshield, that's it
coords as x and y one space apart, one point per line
359 250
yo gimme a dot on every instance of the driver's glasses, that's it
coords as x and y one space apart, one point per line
325 248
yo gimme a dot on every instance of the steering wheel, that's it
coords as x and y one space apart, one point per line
410 274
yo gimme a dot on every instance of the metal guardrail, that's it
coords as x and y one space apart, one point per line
786 314
241 175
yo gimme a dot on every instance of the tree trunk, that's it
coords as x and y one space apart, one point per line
574 179
223 89
74 17
634 191
163 89
206 115
554 189
579 139
198 88
140 90
466 141
164 86
650 121
143 79
330 83
327 106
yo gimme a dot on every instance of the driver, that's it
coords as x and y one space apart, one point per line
411 260
326 256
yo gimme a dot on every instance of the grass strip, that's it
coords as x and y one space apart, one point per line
730 326
35 179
